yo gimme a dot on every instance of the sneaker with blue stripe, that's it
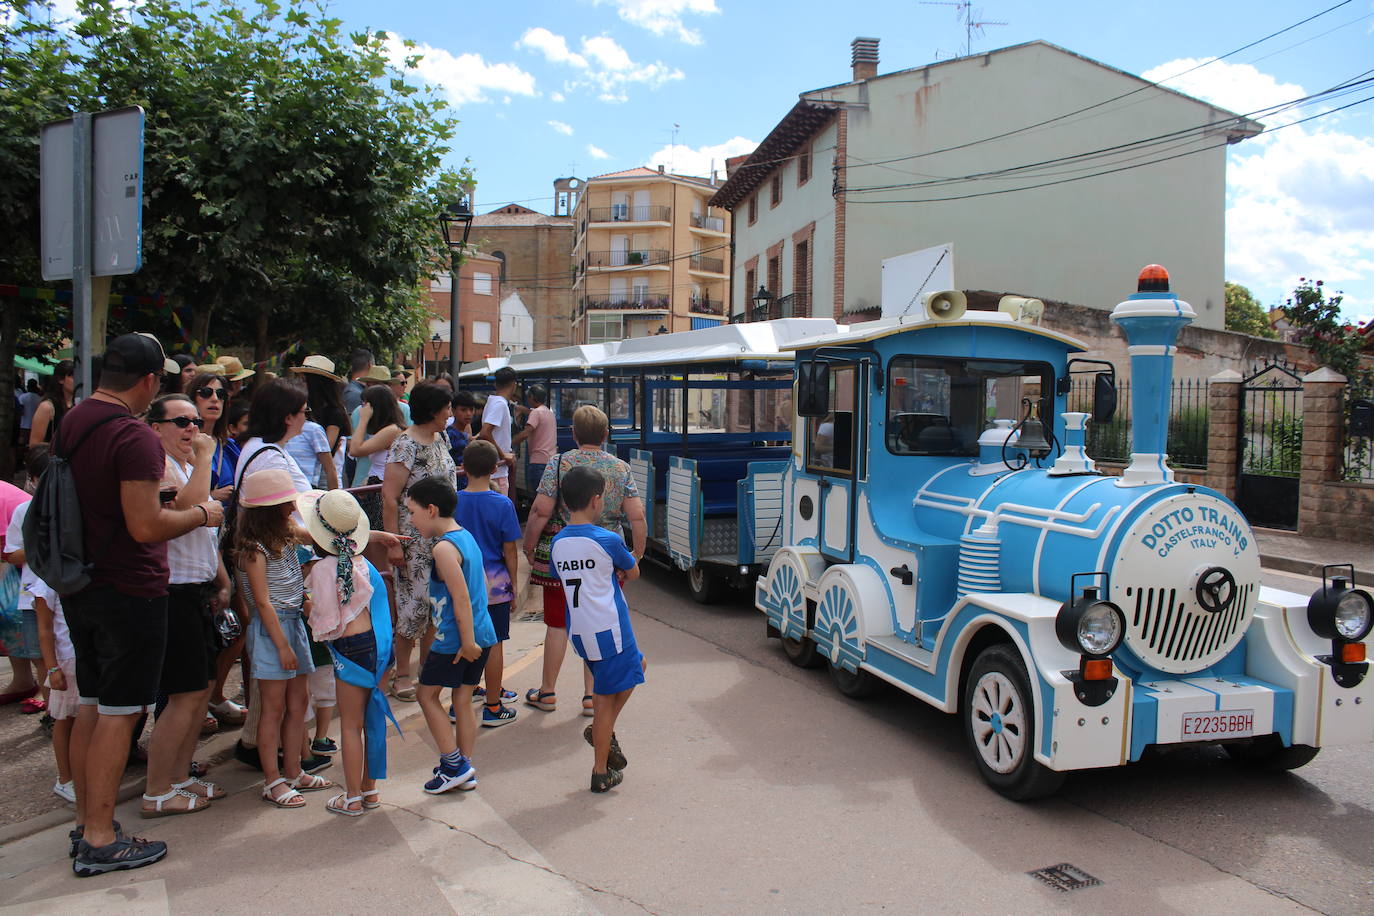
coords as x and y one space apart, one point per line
501 715
463 777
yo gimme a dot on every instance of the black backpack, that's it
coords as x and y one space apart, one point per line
54 538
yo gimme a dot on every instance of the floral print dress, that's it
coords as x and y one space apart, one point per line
421 460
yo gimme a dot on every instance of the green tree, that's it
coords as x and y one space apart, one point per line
292 174
38 79
1244 314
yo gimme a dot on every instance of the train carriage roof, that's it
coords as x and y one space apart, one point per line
868 331
726 343
578 357
481 368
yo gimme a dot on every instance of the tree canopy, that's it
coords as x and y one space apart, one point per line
1244 313
292 172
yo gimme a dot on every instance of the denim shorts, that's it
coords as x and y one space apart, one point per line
27 645
360 649
265 661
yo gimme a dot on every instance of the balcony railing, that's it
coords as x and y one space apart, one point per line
624 213
709 265
643 257
659 302
707 306
713 223
793 305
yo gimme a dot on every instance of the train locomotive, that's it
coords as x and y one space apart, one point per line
947 534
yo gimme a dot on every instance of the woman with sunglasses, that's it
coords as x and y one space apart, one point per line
198 586
211 396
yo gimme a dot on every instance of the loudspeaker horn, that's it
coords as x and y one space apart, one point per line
945 305
1022 309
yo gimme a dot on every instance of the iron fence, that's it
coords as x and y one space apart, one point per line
1111 441
1357 461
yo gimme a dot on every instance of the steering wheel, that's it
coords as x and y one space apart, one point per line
1216 590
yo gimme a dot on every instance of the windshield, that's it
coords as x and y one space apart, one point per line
941 406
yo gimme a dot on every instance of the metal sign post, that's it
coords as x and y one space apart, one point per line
91 206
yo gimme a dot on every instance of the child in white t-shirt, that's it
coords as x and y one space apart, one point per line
63 701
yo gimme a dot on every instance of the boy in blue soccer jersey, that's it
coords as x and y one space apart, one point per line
591 562
464 634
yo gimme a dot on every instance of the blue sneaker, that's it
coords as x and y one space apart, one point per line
501 715
452 715
446 779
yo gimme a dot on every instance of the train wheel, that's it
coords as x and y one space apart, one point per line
999 723
706 587
857 685
1268 752
801 652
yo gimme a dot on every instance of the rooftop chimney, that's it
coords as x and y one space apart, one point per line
864 58
660 170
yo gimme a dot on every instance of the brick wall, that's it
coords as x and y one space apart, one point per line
1329 507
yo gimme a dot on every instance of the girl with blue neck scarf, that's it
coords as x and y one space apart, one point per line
351 614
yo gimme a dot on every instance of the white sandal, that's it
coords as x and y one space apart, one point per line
374 803
339 804
309 782
212 790
288 799
194 803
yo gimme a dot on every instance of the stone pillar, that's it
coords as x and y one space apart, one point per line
1223 432
1323 440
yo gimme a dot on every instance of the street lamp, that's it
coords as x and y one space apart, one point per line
436 342
762 299
459 212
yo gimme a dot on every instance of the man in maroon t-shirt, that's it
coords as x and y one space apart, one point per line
118 622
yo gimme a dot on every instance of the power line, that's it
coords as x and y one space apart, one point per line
1117 98
1183 134
1111 171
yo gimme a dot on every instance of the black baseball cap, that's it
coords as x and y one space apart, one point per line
138 354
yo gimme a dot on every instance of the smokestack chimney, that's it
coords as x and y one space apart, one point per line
660 170
1151 320
864 58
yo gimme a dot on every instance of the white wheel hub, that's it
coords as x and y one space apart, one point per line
999 722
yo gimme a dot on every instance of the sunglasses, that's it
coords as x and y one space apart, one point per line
183 422
208 392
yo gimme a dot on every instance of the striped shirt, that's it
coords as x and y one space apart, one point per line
192 558
285 585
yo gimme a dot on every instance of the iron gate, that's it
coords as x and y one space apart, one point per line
1270 446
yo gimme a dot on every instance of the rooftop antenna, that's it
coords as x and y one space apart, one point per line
972 19
672 148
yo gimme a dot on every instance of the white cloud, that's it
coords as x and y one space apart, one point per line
1300 200
603 66
464 78
564 129
553 47
557 97
664 17
597 152
684 160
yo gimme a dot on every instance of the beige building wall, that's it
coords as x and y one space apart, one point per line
1080 241
537 252
649 255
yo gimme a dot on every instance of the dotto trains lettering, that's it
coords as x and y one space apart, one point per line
1215 528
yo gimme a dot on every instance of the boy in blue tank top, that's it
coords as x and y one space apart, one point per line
591 563
464 634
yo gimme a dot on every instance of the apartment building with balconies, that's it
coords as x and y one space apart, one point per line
650 256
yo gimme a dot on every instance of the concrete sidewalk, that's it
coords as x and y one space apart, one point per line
1284 551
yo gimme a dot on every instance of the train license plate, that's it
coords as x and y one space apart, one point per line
1213 726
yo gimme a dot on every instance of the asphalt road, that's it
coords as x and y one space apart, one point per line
753 787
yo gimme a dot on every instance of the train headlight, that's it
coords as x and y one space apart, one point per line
1338 611
1090 625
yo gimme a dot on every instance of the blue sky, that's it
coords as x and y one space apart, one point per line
582 87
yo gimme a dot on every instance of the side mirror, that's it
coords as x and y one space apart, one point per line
813 388
1104 397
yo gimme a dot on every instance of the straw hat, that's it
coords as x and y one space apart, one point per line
337 510
268 487
376 374
233 368
317 365
402 370
210 369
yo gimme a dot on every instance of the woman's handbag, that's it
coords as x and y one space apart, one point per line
540 573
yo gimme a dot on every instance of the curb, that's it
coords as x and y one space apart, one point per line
1307 568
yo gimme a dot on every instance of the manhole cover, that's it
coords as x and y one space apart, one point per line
1065 877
